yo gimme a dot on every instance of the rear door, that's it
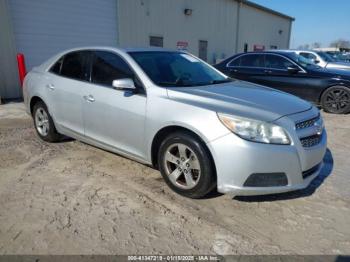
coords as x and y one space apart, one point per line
65 87
248 67
114 117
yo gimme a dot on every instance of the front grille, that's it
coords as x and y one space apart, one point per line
311 141
307 123
310 171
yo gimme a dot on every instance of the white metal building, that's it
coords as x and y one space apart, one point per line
210 29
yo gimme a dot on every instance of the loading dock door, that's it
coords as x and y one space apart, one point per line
43 28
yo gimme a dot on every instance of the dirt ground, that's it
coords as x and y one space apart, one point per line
72 198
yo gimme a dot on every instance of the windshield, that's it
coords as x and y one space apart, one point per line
326 57
177 69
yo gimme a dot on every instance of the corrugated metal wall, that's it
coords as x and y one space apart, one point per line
215 21
9 84
262 28
45 27
41 28
211 20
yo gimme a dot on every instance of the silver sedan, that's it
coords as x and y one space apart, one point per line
169 109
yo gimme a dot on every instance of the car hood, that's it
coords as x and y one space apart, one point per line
339 65
241 98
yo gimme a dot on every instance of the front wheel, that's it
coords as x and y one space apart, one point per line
186 165
336 100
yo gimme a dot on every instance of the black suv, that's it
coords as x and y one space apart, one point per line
294 74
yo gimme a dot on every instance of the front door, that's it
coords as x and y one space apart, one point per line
114 117
297 83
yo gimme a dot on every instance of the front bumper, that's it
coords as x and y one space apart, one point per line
236 159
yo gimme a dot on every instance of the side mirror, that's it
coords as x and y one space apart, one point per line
293 69
124 84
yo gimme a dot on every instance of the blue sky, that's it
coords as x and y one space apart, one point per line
316 20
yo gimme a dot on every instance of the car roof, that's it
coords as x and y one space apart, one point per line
280 52
293 50
127 50
50 61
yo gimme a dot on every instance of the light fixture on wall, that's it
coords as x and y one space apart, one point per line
188 11
280 31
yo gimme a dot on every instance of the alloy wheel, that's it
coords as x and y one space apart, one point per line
182 166
337 99
42 121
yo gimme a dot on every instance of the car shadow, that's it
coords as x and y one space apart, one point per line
65 139
316 183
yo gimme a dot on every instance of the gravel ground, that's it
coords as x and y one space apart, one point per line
72 198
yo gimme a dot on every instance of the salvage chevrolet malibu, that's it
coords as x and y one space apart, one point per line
169 109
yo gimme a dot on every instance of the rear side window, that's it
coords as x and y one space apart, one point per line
74 65
277 62
252 61
107 67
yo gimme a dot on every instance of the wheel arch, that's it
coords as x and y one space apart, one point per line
167 130
33 100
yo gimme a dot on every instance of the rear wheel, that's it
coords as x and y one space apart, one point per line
336 100
43 123
186 165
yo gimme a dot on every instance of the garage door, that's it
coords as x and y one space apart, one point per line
45 27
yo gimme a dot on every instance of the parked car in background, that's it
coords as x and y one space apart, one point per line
323 59
339 56
169 109
293 73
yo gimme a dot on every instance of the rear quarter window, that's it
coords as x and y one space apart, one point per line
56 68
235 62
75 65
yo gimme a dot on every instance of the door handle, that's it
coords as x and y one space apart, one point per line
89 98
50 86
233 70
268 71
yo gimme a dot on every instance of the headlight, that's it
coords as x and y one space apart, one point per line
254 130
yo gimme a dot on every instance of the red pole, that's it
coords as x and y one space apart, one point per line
21 68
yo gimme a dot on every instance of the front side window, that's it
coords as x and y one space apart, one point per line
308 56
326 57
255 60
107 67
74 65
277 62
177 69
304 62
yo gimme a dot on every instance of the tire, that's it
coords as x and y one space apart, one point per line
336 100
190 164
43 123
